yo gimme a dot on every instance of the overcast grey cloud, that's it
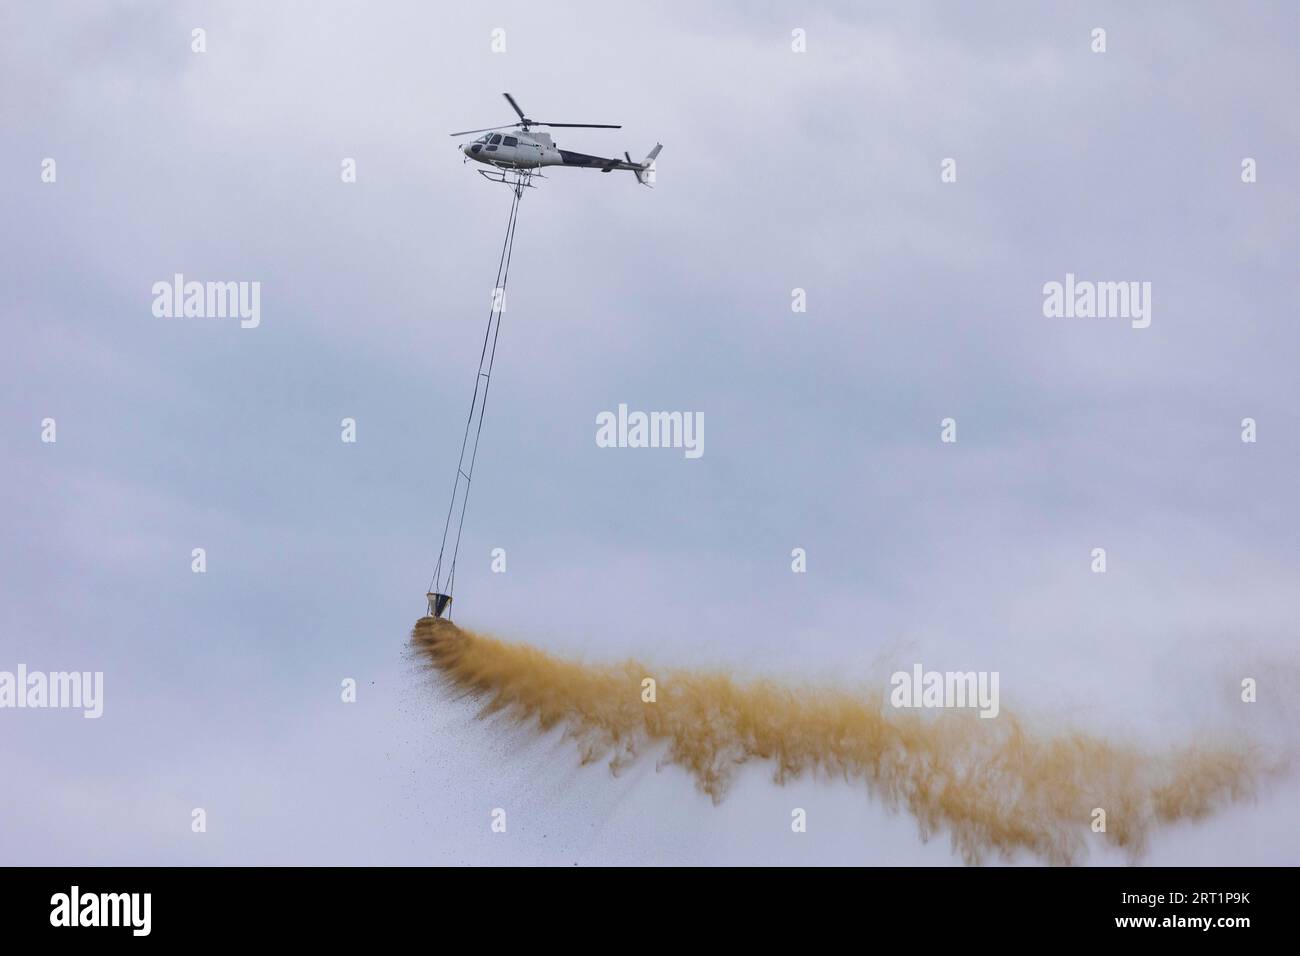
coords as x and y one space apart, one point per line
817 171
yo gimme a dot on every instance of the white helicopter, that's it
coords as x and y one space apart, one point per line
528 150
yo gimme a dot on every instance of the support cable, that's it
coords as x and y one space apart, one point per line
478 403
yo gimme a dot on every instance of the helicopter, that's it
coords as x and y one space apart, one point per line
529 150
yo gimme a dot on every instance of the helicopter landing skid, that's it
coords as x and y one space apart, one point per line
518 178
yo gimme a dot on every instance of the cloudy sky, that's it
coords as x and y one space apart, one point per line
781 170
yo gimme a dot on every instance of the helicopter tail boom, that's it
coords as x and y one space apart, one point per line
644 171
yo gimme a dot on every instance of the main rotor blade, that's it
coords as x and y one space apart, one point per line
515 105
580 125
486 129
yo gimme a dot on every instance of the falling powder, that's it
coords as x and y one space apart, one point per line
994 786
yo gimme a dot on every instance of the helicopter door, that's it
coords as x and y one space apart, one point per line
510 150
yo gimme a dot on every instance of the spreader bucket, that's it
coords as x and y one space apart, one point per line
438 603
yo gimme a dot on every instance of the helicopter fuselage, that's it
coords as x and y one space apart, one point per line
531 150
514 150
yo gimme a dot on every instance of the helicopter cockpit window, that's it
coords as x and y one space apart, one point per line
512 141
496 139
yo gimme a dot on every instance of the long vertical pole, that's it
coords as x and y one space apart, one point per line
441 583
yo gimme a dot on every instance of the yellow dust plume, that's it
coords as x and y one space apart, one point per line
991 784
